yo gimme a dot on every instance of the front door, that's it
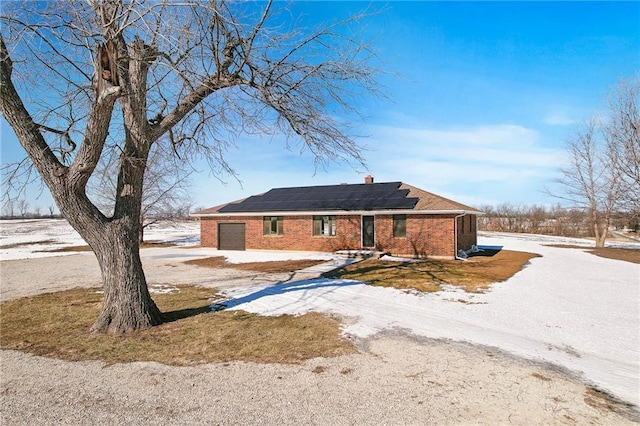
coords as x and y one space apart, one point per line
368 231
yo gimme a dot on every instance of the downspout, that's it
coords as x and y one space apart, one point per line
455 237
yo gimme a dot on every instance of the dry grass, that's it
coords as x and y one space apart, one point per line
624 254
83 248
281 266
67 249
28 243
627 255
474 275
57 325
607 402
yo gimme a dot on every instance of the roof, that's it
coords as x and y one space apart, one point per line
369 197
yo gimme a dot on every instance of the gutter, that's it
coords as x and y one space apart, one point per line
337 213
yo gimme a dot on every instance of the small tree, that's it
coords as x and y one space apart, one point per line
589 179
198 73
165 190
603 173
23 207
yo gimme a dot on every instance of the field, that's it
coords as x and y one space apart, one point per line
568 321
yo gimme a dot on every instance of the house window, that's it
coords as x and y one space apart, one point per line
399 225
324 225
272 225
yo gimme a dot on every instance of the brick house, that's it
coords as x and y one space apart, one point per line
391 217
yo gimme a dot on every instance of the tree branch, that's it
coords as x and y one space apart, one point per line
21 121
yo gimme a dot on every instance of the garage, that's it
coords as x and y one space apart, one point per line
231 236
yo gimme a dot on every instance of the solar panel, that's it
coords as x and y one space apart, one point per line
372 196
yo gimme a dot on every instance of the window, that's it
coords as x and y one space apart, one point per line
272 225
324 225
399 225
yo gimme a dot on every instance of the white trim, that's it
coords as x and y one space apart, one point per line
338 213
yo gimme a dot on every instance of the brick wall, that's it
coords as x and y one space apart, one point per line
426 235
467 232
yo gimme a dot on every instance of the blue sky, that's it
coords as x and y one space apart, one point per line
482 97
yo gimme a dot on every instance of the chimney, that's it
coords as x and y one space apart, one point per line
368 179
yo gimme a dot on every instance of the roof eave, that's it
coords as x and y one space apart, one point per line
337 213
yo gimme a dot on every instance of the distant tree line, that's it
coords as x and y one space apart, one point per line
21 209
556 220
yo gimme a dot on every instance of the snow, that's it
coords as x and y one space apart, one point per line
568 308
34 238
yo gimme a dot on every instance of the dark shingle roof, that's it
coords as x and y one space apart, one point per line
371 196
355 197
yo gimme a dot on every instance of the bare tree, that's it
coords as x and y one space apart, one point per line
23 207
603 173
8 208
622 133
199 73
165 189
590 181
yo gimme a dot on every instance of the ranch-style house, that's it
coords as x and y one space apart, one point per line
391 217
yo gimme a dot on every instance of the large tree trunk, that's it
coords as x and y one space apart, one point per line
127 303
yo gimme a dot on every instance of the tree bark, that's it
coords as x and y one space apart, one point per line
127 303
601 227
141 234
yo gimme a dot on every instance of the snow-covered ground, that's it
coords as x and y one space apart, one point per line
568 307
32 238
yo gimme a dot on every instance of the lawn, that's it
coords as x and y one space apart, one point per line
474 275
617 253
57 325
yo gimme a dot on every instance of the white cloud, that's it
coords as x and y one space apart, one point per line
483 164
487 135
503 146
559 117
